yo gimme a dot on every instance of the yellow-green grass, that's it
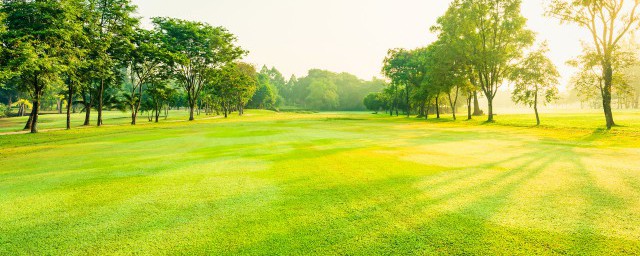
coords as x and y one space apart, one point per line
54 121
329 183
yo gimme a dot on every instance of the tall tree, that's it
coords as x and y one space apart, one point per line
38 41
536 76
589 82
493 33
109 25
399 67
235 84
145 64
608 21
195 51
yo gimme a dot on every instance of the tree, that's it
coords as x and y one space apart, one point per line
195 51
323 95
493 35
446 71
234 86
288 92
159 93
145 64
38 41
589 82
109 26
266 95
608 21
398 67
246 83
534 77
374 102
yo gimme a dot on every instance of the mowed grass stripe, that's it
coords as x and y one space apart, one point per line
332 183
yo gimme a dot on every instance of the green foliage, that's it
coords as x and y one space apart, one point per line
346 91
38 43
195 51
266 94
322 95
235 85
535 76
374 101
609 23
492 34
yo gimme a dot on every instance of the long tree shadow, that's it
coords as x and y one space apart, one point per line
400 207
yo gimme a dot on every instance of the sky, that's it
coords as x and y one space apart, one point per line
344 35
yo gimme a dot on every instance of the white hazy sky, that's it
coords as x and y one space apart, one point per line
342 35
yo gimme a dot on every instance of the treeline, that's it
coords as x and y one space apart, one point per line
485 44
92 55
318 90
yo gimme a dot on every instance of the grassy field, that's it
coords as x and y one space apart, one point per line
328 183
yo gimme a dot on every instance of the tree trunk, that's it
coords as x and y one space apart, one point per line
490 105
437 108
191 109
421 111
453 103
36 108
27 126
396 101
100 102
469 100
535 108
69 103
476 105
157 111
428 109
606 93
87 116
407 89
34 122
87 108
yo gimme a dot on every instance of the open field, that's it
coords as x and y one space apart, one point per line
329 183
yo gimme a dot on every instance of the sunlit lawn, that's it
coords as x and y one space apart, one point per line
329 183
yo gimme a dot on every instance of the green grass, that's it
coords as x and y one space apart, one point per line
327 183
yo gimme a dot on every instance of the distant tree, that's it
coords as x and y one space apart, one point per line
609 22
399 67
323 95
287 91
235 84
195 51
159 93
374 101
275 79
246 84
266 95
536 76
